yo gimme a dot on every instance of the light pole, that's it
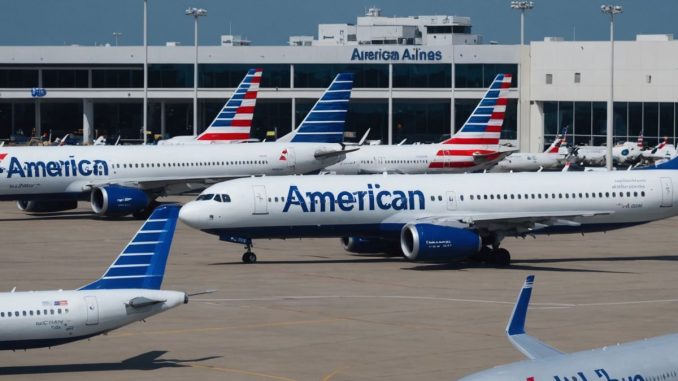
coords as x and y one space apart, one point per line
523 6
116 35
195 12
144 124
612 10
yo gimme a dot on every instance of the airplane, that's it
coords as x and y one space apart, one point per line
622 154
234 121
122 180
643 360
550 159
662 151
129 291
474 147
433 217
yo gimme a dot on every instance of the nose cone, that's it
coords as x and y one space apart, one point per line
190 215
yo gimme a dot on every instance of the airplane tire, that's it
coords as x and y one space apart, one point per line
501 258
249 257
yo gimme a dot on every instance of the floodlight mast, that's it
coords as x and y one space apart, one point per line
611 10
196 13
522 6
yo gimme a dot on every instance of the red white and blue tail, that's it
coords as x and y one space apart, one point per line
234 121
478 139
560 139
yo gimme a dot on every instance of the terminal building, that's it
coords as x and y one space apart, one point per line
417 79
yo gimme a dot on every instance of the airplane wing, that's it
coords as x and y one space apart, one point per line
528 345
159 182
323 154
519 223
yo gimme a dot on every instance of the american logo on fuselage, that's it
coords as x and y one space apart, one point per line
67 168
371 199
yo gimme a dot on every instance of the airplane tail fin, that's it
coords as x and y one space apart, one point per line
234 121
142 262
560 139
326 121
515 329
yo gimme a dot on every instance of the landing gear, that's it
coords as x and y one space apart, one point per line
498 257
249 256
145 212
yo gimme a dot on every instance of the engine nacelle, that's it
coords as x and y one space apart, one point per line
46 206
428 242
364 245
115 201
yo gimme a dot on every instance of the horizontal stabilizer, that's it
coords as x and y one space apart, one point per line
515 330
141 301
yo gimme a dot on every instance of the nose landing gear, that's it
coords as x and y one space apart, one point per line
249 256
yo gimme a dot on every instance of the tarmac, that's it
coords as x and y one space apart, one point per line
308 310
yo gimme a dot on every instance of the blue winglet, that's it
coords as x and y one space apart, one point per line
142 262
671 164
326 121
516 324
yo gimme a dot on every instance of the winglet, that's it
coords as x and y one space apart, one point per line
515 329
142 262
516 324
234 121
326 121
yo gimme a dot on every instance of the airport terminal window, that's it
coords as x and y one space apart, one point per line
65 78
230 75
422 76
61 117
321 75
18 78
170 75
118 78
482 75
273 118
420 120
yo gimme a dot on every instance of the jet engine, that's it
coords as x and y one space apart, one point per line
428 242
116 201
46 206
365 245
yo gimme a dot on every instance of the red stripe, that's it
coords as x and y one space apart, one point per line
506 85
493 129
224 136
462 152
502 101
497 115
256 80
472 141
251 95
241 123
453 164
245 110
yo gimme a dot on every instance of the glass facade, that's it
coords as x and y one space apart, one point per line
422 75
272 119
19 78
588 121
117 78
65 78
321 75
230 75
170 75
61 118
17 119
481 75
420 120
113 119
464 107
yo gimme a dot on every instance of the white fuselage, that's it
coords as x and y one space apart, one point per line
531 162
46 318
405 159
379 205
646 360
71 172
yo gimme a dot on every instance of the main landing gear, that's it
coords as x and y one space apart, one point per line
249 256
495 256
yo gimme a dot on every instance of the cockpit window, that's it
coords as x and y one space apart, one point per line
217 198
205 197
225 198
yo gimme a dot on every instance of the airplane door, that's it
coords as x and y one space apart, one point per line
451 201
667 192
291 159
260 200
92 310
379 160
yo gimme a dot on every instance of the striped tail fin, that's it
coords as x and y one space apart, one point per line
325 123
234 121
477 141
142 263
560 139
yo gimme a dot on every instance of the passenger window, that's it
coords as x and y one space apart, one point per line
433 198
59 311
635 194
471 196
491 197
518 196
567 195
30 312
16 313
2 314
484 197
440 198
51 312
276 199
37 312
642 193
23 313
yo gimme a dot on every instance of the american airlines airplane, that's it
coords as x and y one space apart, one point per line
129 291
474 147
234 121
122 180
550 159
433 217
645 360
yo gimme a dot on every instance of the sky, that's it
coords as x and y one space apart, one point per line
271 22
